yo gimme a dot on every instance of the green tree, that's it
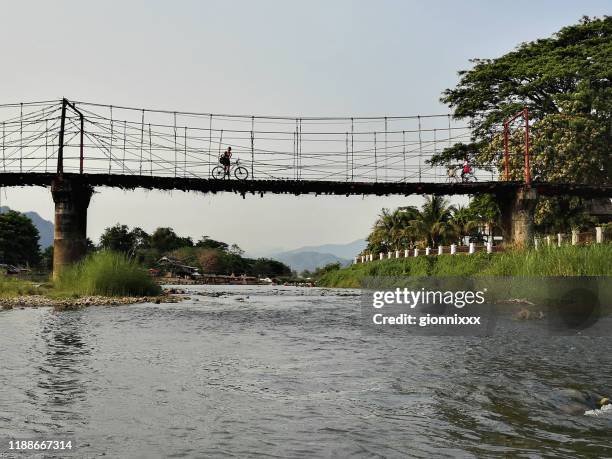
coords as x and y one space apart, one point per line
18 239
165 240
393 231
206 242
565 82
434 223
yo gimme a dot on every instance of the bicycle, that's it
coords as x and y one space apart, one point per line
240 172
453 175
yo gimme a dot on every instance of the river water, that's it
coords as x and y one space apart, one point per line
290 372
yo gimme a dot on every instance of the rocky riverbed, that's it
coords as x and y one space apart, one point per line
61 304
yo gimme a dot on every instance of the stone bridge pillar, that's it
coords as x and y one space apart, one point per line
517 215
71 199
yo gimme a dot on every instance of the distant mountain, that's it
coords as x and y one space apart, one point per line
44 227
299 261
345 251
317 256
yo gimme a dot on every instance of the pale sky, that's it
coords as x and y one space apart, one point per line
313 58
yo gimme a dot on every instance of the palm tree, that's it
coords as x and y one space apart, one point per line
392 230
434 223
465 223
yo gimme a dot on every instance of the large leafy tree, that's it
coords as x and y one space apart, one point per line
565 83
121 239
18 239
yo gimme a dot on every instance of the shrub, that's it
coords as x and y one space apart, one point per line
106 273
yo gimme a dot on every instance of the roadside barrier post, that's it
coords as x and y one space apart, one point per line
388 255
598 234
559 239
416 252
536 243
453 249
574 237
397 254
548 240
406 253
472 248
440 249
382 255
371 257
427 251
489 247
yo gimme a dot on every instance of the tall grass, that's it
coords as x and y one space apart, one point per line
14 287
106 273
592 260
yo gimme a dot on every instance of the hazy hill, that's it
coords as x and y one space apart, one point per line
346 251
299 261
312 257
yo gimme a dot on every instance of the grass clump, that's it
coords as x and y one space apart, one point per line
10 287
106 273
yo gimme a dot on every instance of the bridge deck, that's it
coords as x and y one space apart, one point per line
298 187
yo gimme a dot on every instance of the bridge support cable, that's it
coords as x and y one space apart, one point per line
386 152
404 154
110 148
209 144
352 150
4 146
142 123
252 147
185 154
375 159
435 142
420 147
150 152
175 147
124 146
21 136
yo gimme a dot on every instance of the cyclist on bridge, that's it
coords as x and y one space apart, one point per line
225 160
465 170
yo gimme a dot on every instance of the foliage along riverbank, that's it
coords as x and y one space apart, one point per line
592 260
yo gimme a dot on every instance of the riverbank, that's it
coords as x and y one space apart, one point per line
592 260
61 303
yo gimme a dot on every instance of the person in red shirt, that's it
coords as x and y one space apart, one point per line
465 170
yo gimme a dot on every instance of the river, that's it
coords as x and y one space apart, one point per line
290 372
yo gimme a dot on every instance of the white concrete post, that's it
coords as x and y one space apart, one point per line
406 253
599 234
416 252
559 239
427 251
453 249
489 247
574 237
536 243
397 253
440 249
388 255
382 255
472 248
371 257
548 240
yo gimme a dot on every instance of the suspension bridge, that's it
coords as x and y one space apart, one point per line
74 146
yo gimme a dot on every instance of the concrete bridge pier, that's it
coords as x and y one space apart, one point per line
517 216
71 199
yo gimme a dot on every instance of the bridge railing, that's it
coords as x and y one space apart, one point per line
122 140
